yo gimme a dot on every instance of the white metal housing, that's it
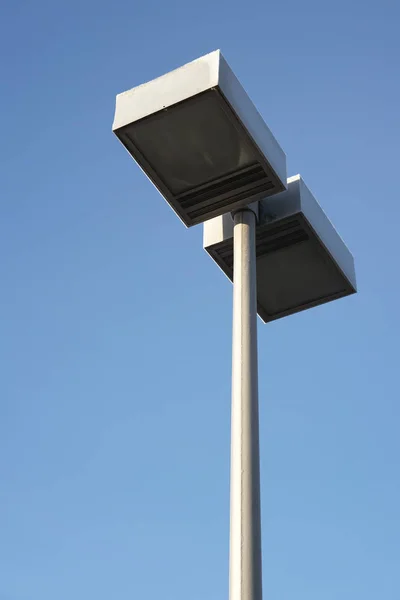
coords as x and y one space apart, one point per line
200 140
301 260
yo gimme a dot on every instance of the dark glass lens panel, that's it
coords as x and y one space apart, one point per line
191 143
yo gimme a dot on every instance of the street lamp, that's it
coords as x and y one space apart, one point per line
200 140
301 261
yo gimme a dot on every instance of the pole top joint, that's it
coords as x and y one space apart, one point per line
253 207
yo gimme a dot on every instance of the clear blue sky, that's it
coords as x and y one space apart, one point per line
115 326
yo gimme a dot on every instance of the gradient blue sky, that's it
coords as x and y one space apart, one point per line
115 326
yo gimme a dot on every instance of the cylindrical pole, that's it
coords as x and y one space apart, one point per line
245 571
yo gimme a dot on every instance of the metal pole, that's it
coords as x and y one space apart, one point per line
245 571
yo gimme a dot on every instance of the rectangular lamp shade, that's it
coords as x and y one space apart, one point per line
301 260
198 137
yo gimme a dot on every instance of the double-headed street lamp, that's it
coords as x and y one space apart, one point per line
198 137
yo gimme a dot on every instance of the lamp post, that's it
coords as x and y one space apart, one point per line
198 137
245 573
